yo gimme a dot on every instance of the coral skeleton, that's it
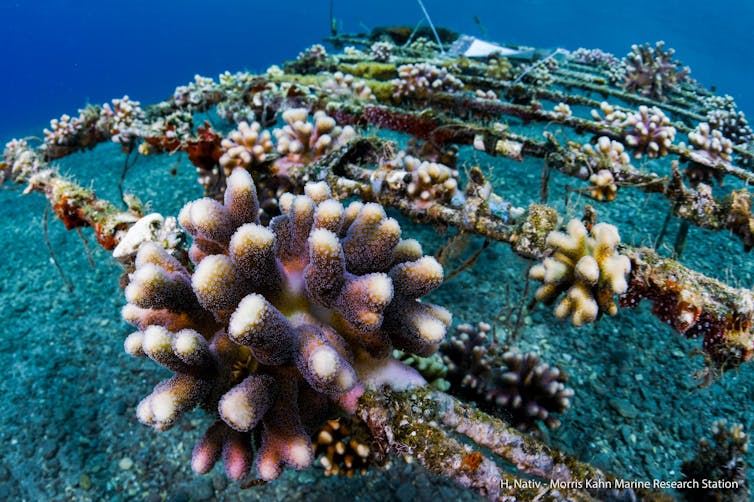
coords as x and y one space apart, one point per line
273 321
587 268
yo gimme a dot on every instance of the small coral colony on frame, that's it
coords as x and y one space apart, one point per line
289 304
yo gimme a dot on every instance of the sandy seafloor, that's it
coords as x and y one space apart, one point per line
69 390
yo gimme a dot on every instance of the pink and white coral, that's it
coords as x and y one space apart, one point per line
247 146
301 142
649 132
267 330
651 71
346 85
424 182
421 79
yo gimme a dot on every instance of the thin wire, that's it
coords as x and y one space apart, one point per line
431 25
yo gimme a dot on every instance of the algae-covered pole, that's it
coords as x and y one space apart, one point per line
73 204
502 463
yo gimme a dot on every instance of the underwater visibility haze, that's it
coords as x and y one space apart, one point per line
377 250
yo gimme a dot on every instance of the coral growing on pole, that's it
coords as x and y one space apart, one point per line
587 267
275 324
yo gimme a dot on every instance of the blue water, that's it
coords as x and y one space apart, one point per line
60 54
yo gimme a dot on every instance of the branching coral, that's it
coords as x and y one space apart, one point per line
595 57
719 464
343 447
346 85
274 322
710 152
301 142
423 79
529 390
381 51
651 71
198 95
649 132
587 267
245 147
725 117
425 182
518 387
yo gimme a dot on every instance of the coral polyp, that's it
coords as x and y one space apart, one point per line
273 326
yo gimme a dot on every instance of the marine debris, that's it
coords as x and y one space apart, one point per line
284 310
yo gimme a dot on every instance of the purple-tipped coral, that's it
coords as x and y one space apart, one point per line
268 329
710 151
651 71
594 57
649 132
725 117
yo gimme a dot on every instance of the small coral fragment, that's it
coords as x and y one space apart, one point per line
585 266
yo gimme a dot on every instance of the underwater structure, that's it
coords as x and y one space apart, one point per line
296 319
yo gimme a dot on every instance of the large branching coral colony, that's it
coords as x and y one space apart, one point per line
290 308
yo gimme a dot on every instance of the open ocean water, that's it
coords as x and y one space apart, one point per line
67 419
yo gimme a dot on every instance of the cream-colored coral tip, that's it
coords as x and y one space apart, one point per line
555 270
441 313
133 344
426 269
319 191
303 204
346 380
267 467
285 201
211 276
187 342
249 316
237 411
606 235
156 340
164 405
616 269
324 243
371 213
379 289
390 229
250 238
323 361
587 270
144 411
205 214
329 214
352 211
299 454
537 272
407 250
432 330
143 280
294 115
